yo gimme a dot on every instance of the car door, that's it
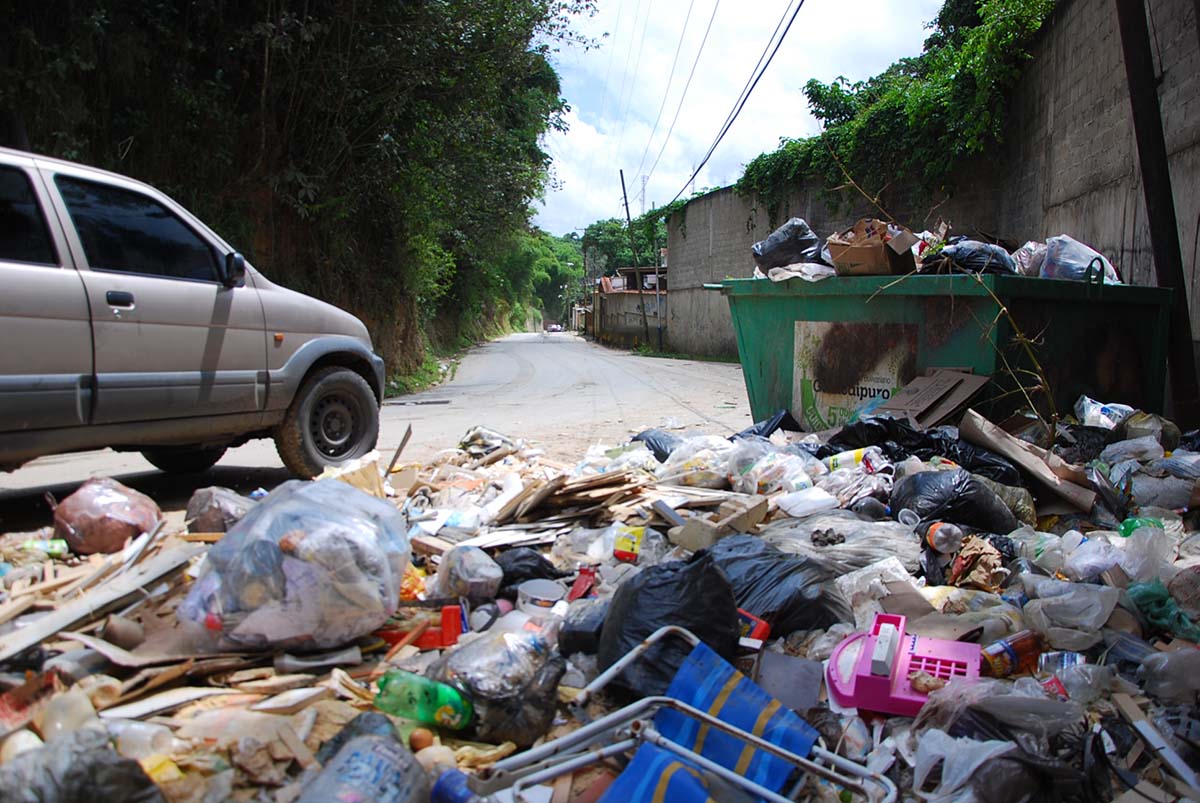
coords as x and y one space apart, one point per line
46 359
171 340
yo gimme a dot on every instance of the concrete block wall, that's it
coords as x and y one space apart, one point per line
1068 164
620 317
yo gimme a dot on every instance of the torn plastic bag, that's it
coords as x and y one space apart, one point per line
954 496
1181 463
102 515
1090 559
76 766
861 542
521 564
789 592
792 242
973 256
660 442
701 462
466 571
1172 677
216 509
764 429
960 760
1067 258
512 681
898 440
695 595
1069 615
1161 611
314 565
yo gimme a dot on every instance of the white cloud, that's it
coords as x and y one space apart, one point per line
854 38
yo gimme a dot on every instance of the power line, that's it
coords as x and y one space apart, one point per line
733 115
666 92
636 66
686 84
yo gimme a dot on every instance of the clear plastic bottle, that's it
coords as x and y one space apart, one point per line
405 694
944 537
1013 655
138 740
67 712
370 767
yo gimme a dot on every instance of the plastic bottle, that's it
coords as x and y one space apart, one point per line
944 537
870 456
18 743
67 712
138 740
1014 655
54 547
452 787
370 767
405 694
1130 525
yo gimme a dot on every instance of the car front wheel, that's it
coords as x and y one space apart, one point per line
333 419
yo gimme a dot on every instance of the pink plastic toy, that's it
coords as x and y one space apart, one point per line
872 670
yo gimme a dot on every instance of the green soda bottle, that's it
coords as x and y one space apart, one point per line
408 695
1129 526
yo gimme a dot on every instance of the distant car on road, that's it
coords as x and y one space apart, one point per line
554 327
128 323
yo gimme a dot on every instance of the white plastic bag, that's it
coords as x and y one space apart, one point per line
806 502
1069 615
1146 448
466 571
1067 258
960 759
1092 413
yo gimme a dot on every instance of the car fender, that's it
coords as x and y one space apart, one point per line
319 352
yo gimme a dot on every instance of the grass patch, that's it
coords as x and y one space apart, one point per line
433 370
646 350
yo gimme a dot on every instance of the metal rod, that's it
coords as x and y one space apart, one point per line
633 247
607 675
656 738
1160 205
399 449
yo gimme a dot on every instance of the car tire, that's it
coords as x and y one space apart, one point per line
184 460
333 419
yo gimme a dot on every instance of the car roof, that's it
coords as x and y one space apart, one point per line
50 161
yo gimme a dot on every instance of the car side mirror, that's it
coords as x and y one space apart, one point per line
235 269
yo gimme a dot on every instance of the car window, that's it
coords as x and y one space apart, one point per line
129 232
23 233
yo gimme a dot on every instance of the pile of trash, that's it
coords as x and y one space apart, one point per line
875 612
874 247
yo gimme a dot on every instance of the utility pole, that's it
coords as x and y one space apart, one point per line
636 273
1160 205
646 178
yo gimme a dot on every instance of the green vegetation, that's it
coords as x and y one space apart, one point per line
646 350
381 155
915 122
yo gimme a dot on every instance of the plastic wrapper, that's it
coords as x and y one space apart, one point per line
701 462
521 564
789 592
1144 448
851 485
76 766
858 543
1069 615
1067 258
1161 611
216 509
466 571
899 440
314 565
1092 413
1028 258
953 496
792 242
512 681
973 256
696 595
480 441
102 515
1172 677
660 442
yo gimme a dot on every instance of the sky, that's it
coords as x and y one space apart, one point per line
616 90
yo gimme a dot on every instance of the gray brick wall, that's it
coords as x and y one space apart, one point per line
1068 164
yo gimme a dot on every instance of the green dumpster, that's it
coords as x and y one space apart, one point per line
827 349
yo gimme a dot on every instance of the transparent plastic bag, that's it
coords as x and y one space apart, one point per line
959 758
775 472
1144 448
1028 258
746 452
700 462
1092 413
1149 553
1043 549
850 485
102 515
846 539
1069 615
466 571
1172 677
313 565
216 509
1090 559
1067 258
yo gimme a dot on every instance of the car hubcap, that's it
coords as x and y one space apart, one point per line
334 426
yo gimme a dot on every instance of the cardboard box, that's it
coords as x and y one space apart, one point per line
931 399
862 250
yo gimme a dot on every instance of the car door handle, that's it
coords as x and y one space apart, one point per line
119 298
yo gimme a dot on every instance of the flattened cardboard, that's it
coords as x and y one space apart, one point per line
931 399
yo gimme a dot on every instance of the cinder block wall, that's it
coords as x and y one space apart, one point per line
1068 165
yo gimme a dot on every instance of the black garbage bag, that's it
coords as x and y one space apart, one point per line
521 564
972 256
898 440
764 429
694 595
792 242
954 496
582 626
789 592
660 442
80 765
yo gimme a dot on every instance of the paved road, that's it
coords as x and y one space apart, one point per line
557 390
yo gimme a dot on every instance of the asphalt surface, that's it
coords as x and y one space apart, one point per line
557 391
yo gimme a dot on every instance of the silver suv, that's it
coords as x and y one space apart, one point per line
126 322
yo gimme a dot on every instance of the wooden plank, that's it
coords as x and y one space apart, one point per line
510 507
83 583
544 492
64 578
14 608
201 538
164 701
98 601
